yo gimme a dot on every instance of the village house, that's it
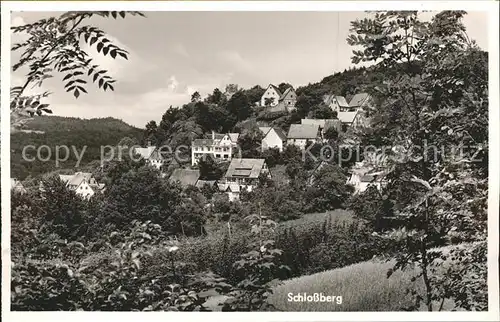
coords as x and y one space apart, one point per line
204 183
273 138
364 175
277 101
348 119
17 186
219 146
288 99
243 175
83 184
324 124
301 135
360 100
336 103
232 190
361 182
151 155
271 96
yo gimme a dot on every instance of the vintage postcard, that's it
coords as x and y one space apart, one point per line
262 161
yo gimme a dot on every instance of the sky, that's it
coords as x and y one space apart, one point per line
174 54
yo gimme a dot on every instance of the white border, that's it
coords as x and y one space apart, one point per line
494 192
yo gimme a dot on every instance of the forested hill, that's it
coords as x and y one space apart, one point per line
57 131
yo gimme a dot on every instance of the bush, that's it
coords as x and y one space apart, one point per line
374 207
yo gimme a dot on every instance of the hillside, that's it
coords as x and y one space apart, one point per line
75 133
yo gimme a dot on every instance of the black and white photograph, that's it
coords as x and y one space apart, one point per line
251 157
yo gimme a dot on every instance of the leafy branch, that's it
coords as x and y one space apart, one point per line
53 46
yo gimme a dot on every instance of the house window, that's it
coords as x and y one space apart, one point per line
217 156
226 156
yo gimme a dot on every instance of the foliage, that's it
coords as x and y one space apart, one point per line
260 267
86 137
143 195
62 208
328 191
210 169
53 46
374 207
115 285
249 142
331 134
433 97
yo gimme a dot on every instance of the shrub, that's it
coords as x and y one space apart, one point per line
372 206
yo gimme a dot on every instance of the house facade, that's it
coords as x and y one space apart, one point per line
352 119
232 191
336 103
361 182
220 147
271 96
151 155
288 99
301 135
243 175
83 184
273 138
370 172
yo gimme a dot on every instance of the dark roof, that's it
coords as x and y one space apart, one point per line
286 92
303 131
275 88
203 142
201 183
279 132
359 99
247 168
185 177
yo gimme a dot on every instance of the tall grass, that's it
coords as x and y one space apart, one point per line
363 287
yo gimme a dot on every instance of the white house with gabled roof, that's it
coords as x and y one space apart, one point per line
82 183
220 147
271 96
151 155
273 138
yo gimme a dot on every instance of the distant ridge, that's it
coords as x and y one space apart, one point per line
74 132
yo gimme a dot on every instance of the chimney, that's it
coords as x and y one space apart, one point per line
149 143
213 135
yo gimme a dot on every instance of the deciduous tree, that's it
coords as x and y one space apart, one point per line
53 47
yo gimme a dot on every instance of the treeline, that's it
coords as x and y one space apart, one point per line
217 112
64 131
